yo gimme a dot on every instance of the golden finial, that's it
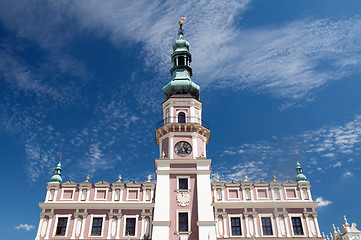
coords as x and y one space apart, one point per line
180 23
60 157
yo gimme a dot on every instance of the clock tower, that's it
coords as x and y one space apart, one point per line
183 201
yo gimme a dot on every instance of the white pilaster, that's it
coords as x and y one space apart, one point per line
142 228
287 225
195 147
82 227
74 228
256 233
39 228
278 225
247 225
308 225
225 228
170 147
118 228
48 228
206 222
162 206
110 219
317 227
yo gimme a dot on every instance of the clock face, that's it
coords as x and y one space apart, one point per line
182 148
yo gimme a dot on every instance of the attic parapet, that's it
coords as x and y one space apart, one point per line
100 191
261 191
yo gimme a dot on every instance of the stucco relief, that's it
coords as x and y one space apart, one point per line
183 199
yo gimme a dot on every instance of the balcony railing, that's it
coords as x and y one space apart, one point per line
183 120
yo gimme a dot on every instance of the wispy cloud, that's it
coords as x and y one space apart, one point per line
25 227
322 202
324 148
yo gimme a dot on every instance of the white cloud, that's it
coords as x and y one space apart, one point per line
322 202
338 164
347 174
25 227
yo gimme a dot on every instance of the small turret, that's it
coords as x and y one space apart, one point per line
57 174
300 176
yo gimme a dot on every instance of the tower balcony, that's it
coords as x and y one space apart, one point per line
183 120
182 124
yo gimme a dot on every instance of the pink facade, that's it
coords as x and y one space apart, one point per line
113 203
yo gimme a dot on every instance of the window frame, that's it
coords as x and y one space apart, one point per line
178 185
290 216
296 192
133 189
238 193
56 225
185 111
136 225
188 211
91 226
62 194
101 189
272 224
230 216
267 194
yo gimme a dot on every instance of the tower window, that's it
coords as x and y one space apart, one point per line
236 226
61 228
97 227
183 183
297 226
181 117
130 227
183 222
180 61
267 226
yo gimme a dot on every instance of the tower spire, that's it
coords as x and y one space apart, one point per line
300 176
57 174
181 71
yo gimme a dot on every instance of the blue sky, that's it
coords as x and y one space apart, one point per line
84 78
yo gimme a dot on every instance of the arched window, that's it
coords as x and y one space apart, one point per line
180 61
181 117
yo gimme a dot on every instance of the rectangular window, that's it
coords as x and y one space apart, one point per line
183 222
183 183
130 227
236 226
97 227
61 228
297 226
267 226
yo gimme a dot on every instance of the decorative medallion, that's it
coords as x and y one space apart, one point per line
183 199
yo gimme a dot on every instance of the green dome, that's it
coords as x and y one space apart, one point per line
181 87
56 178
181 44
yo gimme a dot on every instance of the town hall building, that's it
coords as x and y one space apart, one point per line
183 203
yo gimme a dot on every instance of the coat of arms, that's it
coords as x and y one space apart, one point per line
183 199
